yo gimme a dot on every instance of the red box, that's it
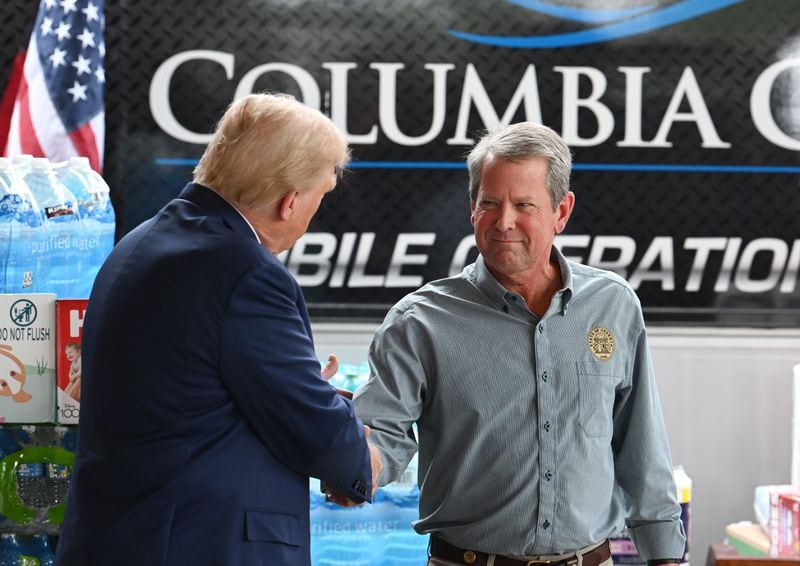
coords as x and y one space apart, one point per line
784 524
69 331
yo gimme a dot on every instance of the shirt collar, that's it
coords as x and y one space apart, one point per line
243 218
566 278
488 285
500 296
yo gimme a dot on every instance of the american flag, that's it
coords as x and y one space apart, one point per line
53 104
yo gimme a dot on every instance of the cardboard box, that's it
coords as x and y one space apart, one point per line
27 358
69 332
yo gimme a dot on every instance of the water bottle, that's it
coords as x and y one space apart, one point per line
32 484
22 164
11 554
8 445
8 208
350 377
21 232
37 547
97 218
63 228
9 550
57 485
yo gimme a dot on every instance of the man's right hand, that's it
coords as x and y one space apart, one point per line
329 370
377 465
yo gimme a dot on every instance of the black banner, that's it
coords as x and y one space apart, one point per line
683 116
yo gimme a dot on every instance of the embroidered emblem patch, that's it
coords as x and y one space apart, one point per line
601 343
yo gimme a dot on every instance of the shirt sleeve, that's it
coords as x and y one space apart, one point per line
391 400
642 460
269 364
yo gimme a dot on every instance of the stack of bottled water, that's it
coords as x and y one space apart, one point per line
57 228
26 550
21 226
34 477
373 534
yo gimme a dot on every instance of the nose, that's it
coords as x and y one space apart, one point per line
506 218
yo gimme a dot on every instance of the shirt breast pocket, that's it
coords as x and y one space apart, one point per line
598 388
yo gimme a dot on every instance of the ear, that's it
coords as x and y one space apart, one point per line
287 205
564 211
472 212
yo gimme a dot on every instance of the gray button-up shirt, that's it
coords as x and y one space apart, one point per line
535 436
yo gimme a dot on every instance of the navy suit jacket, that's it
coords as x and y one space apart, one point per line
203 411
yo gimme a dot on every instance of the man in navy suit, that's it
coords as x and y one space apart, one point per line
203 409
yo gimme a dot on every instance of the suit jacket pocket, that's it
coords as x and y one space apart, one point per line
273 526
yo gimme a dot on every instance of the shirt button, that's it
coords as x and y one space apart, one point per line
546 524
541 328
547 426
548 475
544 376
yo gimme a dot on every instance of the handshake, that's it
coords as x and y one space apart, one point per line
328 371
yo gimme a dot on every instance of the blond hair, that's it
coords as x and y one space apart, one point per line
267 145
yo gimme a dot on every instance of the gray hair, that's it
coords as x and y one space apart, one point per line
520 142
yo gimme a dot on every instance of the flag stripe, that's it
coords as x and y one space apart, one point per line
98 125
12 145
86 145
27 134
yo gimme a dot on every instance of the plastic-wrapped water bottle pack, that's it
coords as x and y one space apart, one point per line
56 226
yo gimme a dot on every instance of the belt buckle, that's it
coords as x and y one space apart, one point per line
565 561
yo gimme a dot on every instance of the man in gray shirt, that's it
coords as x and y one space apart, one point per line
530 380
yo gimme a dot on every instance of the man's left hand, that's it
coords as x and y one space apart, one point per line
329 370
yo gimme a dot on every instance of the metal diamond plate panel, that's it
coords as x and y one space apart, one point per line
674 144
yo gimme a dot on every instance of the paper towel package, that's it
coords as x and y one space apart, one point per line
27 358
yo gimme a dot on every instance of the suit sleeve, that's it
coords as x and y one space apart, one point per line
269 364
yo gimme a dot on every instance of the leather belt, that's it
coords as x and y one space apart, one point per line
446 551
